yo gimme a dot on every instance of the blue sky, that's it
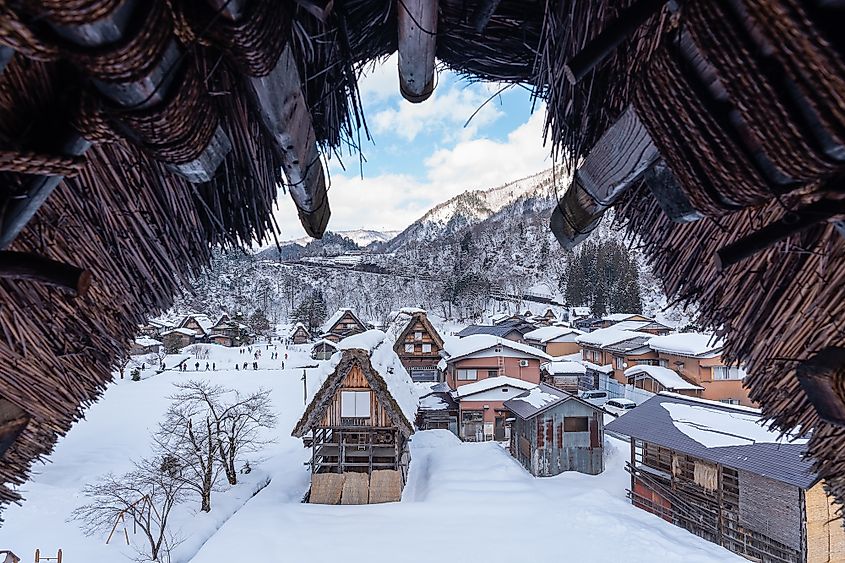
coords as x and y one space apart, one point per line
422 154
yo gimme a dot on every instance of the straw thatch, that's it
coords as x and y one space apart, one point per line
385 486
327 488
356 488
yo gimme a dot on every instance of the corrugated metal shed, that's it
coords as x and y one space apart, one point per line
652 422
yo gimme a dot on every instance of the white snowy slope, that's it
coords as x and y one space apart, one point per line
463 500
361 237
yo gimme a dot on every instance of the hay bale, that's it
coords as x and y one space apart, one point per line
356 489
385 486
326 488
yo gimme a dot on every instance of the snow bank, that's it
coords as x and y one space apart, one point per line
687 344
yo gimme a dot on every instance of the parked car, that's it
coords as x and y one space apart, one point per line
595 397
619 407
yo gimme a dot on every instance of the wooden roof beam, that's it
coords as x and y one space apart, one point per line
148 90
286 117
621 156
605 43
417 23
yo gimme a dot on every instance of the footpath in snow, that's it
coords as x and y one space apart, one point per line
469 501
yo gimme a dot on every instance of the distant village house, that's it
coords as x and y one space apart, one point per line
417 343
342 324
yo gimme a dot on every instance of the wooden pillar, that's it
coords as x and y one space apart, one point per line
417 23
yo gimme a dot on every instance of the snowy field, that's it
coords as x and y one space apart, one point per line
470 502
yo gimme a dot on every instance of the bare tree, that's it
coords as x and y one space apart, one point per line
187 438
238 420
146 495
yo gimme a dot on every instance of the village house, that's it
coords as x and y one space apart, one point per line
717 471
613 318
655 379
554 340
178 338
154 328
619 349
200 324
554 431
145 345
417 343
323 349
299 334
567 376
358 423
228 332
342 324
482 414
438 409
650 327
478 357
697 358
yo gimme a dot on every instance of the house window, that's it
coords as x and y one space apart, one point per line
409 348
426 348
620 363
417 336
725 372
596 356
492 373
575 424
467 375
651 362
355 404
730 401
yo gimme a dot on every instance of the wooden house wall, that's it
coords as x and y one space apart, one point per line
340 326
545 449
770 508
356 381
825 534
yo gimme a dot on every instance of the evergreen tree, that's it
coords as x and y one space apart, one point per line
312 311
258 322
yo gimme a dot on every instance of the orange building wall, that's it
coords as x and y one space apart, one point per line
508 366
562 348
700 371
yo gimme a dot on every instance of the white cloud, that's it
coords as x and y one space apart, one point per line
393 201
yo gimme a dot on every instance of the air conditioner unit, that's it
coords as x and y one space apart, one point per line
523 363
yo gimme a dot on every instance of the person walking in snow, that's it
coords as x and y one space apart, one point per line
197 366
206 366
244 365
254 365
213 366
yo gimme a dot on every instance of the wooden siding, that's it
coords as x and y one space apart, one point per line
770 508
825 534
356 381
551 450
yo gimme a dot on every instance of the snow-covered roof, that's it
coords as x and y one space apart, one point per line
491 383
664 376
146 341
687 344
581 311
185 331
385 361
433 402
558 368
456 348
202 320
630 325
411 310
327 326
732 436
324 341
296 327
607 336
539 399
617 317
550 333
607 368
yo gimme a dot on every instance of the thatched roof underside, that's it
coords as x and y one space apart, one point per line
743 102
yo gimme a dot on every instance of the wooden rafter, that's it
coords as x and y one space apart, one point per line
417 22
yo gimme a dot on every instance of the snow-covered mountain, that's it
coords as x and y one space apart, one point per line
361 237
473 207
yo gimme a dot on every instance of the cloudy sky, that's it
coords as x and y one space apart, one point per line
423 154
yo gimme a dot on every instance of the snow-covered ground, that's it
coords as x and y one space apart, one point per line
467 501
